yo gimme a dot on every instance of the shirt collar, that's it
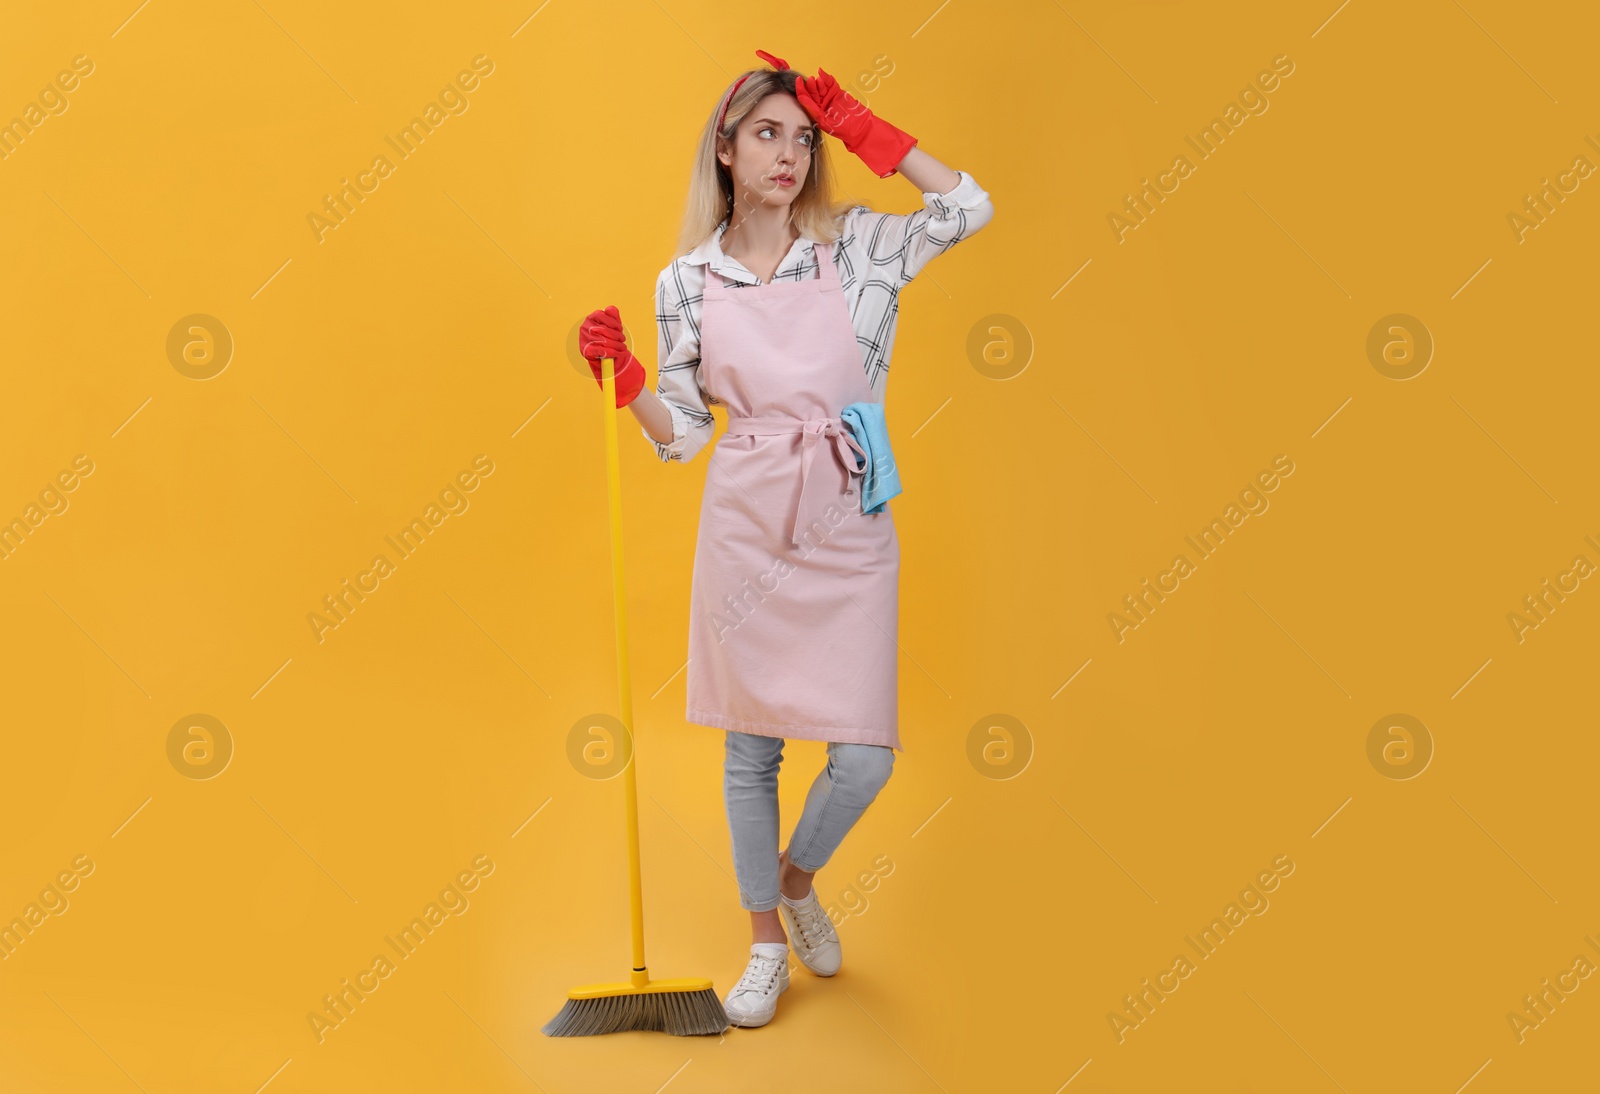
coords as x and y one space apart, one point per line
709 254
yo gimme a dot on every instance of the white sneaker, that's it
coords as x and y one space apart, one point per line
811 933
754 999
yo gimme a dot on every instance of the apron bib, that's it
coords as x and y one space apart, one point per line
794 601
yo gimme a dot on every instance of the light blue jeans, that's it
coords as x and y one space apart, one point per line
839 795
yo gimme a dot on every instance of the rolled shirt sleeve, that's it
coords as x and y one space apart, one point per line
678 375
900 245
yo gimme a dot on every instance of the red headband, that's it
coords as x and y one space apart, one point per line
775 62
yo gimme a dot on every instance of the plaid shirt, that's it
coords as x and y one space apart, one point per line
878 254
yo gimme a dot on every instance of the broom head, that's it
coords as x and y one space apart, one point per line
682 1007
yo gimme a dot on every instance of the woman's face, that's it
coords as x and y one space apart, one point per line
774 141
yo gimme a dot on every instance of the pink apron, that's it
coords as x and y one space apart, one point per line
794 604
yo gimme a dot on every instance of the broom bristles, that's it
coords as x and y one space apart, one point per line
680 1013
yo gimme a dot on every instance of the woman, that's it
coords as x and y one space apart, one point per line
782 309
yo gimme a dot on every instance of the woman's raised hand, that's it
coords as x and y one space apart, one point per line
839 114
600 335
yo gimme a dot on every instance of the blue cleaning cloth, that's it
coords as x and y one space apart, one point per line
880 479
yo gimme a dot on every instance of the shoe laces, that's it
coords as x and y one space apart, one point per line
761 974
809 919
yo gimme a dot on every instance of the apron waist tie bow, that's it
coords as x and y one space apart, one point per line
845 446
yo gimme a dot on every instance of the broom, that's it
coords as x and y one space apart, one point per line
686 1005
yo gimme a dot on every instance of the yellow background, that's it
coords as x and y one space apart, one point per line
1035 882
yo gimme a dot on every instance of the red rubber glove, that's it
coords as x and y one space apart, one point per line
600 335
880 145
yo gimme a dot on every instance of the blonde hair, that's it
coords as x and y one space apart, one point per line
711 190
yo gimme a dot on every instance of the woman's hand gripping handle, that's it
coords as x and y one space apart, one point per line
600 336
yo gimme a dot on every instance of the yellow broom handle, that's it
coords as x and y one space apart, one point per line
640 975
